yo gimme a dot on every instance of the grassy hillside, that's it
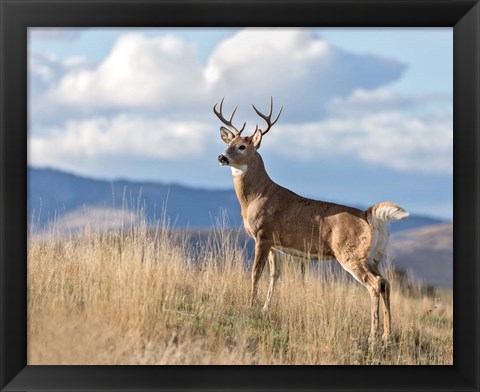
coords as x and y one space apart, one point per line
143 297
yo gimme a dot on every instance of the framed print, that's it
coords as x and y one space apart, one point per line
135 247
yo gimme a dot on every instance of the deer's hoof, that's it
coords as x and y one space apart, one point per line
386 339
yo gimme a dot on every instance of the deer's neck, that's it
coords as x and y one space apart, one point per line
251 182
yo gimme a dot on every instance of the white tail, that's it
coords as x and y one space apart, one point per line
388 212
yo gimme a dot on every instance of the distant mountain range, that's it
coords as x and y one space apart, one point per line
54 194
72 200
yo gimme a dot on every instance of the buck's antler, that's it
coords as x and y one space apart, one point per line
224 120
268 118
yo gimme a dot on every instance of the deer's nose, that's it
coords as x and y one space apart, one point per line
223 159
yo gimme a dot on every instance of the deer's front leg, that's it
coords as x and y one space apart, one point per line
274 274
262 250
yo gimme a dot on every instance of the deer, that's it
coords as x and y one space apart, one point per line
281 221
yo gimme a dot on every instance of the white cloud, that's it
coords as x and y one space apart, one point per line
254 52
74 62
164 74
44 69
380 133
122 135
301 70
139 72
385 99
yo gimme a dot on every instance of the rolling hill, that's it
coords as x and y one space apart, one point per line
427 252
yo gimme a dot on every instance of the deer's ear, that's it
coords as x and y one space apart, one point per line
226 135
257 139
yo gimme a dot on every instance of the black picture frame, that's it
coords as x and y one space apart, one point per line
17 15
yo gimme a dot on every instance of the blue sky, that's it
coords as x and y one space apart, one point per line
367 112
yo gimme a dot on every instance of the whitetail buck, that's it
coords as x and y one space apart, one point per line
280 220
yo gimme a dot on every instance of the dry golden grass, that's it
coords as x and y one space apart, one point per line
138 297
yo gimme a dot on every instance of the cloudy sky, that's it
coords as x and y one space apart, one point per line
367 112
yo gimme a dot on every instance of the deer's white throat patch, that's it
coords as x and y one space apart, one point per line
239 170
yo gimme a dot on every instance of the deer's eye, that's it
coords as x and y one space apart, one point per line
242 147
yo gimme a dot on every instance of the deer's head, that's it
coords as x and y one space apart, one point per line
241 149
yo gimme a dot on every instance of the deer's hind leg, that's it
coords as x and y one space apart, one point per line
385 293
387 316
368 277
